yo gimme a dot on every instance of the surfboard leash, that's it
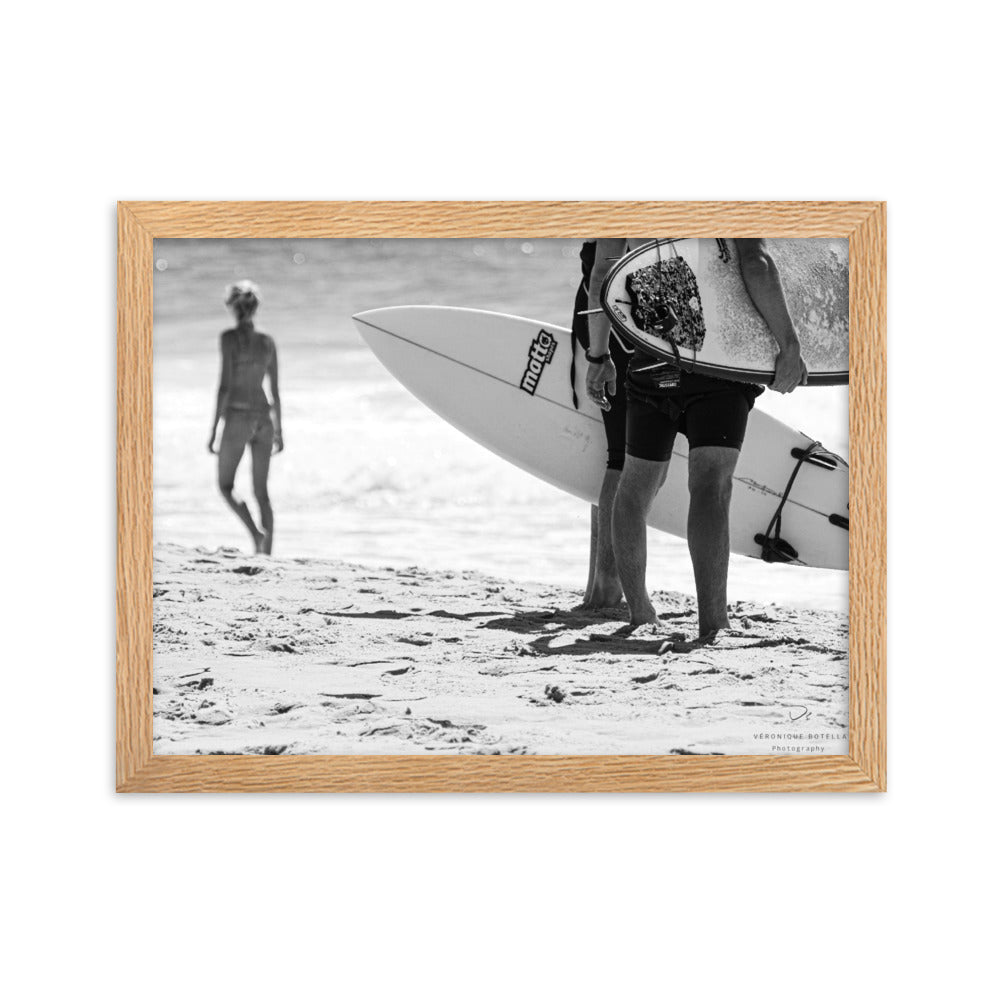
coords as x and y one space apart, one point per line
572 359
774 548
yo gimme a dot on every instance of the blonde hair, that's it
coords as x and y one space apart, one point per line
240 288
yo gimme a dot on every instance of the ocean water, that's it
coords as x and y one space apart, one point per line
368 473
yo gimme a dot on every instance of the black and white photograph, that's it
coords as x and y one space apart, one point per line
500 496
367 637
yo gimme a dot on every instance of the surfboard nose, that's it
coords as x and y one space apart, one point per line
385 320
373 315
392 318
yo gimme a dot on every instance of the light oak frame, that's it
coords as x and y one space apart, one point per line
864 766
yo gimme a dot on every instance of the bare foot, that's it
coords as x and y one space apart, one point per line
604 594
258 542
266 541
644 616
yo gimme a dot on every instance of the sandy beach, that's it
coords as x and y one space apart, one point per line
421 597
316 656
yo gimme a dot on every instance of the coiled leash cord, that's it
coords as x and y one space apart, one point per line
774 548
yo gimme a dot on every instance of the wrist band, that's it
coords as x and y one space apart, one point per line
600 359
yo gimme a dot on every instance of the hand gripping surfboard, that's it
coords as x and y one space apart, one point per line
684 301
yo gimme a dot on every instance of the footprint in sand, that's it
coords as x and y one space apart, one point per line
678 643
199 685
645 680
213 716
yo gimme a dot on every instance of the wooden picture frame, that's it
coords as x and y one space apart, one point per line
862 769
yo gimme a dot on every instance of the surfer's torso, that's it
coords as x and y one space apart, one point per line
248 354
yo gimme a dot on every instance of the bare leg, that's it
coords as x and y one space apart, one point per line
604 590
260 456
592 564
640 482
710 484
231 449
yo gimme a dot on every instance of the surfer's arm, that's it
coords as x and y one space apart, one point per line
272 374
763 283
222 396
599 325
601 376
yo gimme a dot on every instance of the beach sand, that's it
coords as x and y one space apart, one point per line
257 655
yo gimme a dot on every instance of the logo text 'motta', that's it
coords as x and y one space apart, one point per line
539 355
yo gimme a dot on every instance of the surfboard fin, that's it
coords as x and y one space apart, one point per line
776 549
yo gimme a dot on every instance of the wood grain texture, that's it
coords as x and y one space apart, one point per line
499 774
867 553
864 769
304 219
134 582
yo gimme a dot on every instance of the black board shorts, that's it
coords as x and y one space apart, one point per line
614 419
709 412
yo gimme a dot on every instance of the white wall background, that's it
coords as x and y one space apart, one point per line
739 896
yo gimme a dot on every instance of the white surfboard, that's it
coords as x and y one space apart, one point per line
505 382
685 300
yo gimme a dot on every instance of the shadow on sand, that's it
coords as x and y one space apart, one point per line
387 615
618 643
534 621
